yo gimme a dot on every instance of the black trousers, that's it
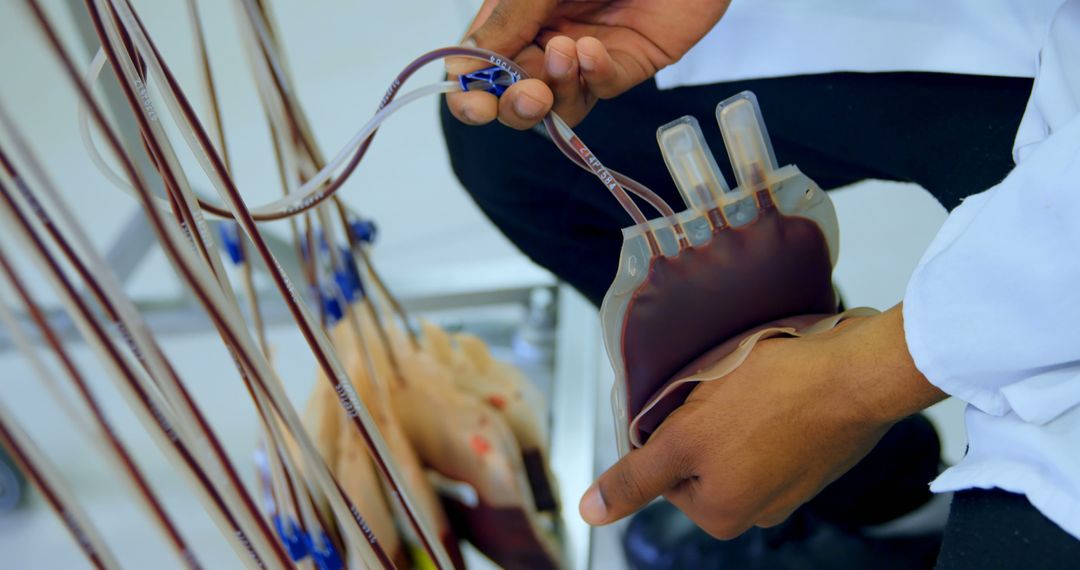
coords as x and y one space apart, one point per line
951 134
996 530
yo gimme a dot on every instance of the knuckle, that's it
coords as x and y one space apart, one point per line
770 521
681 443
511 119
682 458
725 528
629 485
774 518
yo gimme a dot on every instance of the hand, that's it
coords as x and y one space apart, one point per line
577 52
751 448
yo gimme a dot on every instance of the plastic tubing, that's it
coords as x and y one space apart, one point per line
321 186
155 414
135 333
573 148
334 372
344 508
142 397
103 428
281 466
288 201
46 478
224 316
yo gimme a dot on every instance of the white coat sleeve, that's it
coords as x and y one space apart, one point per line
992 312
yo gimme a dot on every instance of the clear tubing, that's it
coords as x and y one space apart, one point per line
224 315
571 146
286 163
361 419
246 511
155 414
281 83
288 201
574 149
189 269
271 430
275 71
85 134
310 193
294 501
357 251
26 348
133 331
47 479
365 133
102 426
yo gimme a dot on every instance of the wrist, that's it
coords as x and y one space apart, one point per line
879 370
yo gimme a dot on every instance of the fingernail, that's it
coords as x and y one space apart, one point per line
592 506
587 63
558 63
528 108
468 42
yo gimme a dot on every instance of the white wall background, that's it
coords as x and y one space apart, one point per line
343 53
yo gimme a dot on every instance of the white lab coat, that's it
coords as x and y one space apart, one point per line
771 38
992 313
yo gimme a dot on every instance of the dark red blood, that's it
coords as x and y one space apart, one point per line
452 545
503 534
652 419
542 487
772 268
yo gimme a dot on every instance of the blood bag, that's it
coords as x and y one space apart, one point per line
467 441
505 389
735 259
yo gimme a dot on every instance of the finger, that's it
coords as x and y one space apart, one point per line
562 73
481 16
473 107
456 66
525 103
512 25
604 75
638 478
505 27
480 108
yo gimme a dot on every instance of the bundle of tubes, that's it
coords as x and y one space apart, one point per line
366 476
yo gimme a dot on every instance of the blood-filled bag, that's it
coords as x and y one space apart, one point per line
504 388
346 452
734 260
468 442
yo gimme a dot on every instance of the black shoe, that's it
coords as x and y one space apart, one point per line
662 538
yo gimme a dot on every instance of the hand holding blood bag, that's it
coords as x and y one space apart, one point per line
734 261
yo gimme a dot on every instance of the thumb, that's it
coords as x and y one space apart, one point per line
633 482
